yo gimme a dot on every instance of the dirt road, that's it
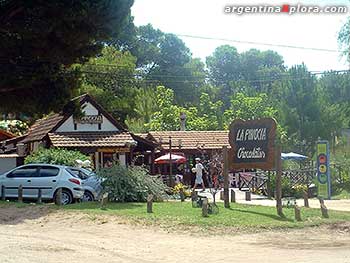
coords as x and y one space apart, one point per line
37 235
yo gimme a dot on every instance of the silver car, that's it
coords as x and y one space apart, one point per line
47 177
90 182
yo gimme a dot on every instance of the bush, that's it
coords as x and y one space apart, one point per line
55 156
288 190
180 186
131 184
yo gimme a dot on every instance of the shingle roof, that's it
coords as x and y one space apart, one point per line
4 135
43 126
208 140
142 135
90 139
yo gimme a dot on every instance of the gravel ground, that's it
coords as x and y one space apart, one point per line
36 234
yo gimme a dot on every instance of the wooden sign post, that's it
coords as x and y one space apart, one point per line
252 144
226 164
279 182
253 147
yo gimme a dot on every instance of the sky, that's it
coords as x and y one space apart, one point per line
206 18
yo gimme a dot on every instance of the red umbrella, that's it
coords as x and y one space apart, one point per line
174 158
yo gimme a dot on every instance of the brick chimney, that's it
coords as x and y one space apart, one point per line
182 121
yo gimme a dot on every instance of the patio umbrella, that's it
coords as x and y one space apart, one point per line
174 159
293 156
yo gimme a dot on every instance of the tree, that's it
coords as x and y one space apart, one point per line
250 72
344 39
300 108
110 79
145 106
223 65
260 69
208 116
41 40
249 108
164 59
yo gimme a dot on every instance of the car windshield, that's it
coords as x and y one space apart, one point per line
81 173
87 172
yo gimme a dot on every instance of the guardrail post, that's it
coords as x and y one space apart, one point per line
297 213
182 195
20 193
39 196
58 197
104 201
233 196
150 204
324 210
306 199
194 197
205 207
3 194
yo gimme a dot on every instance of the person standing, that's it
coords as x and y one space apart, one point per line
199 174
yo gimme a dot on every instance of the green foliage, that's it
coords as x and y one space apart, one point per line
340 166
249 108
55 156
207 116
164 59
288 189
131 184
344 39
145 106
14 126
41 40
109 78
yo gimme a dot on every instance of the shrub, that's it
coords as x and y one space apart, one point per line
299 190
131 184
55 156
180 186
288 190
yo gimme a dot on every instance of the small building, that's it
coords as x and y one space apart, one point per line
96 133
8 152
191 144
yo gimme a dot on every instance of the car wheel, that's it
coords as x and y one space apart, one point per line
66 197
88 197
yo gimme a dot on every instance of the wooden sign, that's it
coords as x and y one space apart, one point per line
114 150
90 119
252 144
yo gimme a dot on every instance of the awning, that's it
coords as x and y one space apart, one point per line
174 159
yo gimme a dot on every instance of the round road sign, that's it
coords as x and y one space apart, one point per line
322 159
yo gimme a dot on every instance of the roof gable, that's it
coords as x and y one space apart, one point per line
52 123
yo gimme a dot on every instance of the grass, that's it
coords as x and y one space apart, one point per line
176 214
342 195
13 203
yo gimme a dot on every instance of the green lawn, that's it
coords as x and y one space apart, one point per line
342 195
176 214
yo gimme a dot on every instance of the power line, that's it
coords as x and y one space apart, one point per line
260 43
